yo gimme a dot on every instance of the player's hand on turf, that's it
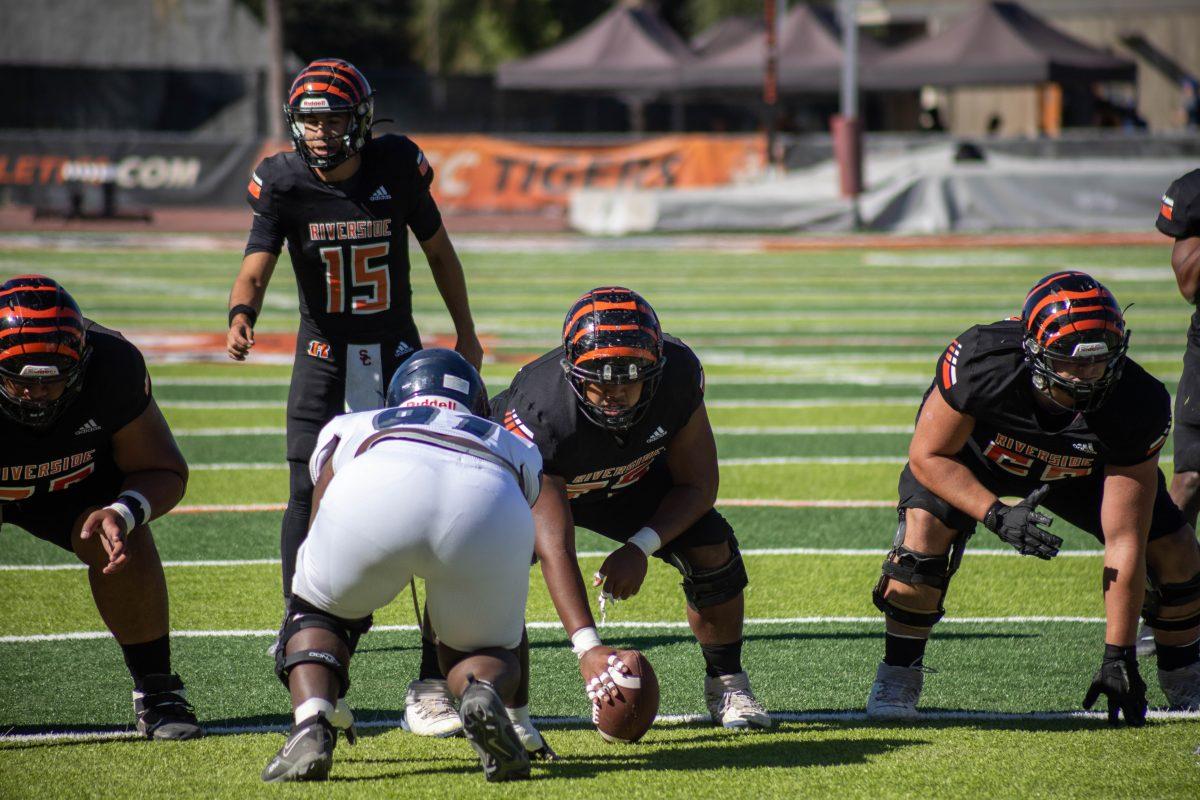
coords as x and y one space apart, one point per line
622 572
240 338
1019 525
110 527
599 668
1119 681
469 347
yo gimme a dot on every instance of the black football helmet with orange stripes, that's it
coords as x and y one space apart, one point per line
1074 339
43 350
612 336
330 86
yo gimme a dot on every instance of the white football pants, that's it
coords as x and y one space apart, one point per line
405 508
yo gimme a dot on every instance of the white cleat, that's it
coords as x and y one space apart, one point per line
429 709
732 704
895 693
1182 687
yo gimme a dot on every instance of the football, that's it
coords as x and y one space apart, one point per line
632 712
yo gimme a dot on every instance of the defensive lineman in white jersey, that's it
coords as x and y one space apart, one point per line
426 487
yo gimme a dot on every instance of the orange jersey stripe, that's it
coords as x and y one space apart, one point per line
254 189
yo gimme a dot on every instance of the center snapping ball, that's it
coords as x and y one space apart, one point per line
635 704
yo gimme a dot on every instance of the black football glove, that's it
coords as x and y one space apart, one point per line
1119 681
1018 525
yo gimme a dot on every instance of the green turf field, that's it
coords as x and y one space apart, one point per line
815 363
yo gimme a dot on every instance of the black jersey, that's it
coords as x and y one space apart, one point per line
1179 217
983 374
540 405
348 241
70 463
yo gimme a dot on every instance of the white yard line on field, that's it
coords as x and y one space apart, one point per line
661 719
753 551
555 625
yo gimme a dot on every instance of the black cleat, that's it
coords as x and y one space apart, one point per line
162 709
307 755
488 729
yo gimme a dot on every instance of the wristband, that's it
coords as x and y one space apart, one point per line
1117 652
583 640
646 540
242 308
138 504
125 512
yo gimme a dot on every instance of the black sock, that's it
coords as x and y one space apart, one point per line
1177 656
722 659
148 658
901 651
430 669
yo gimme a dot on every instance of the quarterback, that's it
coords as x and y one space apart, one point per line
1048 407
344 201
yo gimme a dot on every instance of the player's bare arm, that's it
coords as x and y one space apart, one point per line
156 478
692 459
554 543
448 274
940 434
1125 516
1185 261
245 301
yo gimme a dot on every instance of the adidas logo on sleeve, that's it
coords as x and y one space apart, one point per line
380 194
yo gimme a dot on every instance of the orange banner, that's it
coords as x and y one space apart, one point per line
483 173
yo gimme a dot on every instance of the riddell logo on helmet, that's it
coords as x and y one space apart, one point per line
39 371
435 402
314 103
1084 349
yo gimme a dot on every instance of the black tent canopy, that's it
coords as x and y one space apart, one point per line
996 43
810 56
625 50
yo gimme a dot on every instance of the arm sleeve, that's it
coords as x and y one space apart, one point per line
266 232
127 393
1179 212
954 375
425 219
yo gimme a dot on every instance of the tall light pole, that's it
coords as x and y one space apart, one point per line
272 116
847 127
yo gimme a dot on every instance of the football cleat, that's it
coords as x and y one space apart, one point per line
487 727
895 692
1182 687
307 755
1145 642
732 704
429 709
163 712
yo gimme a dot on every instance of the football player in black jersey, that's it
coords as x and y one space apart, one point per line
1179 217
618 415
1050 408
87 462
344 202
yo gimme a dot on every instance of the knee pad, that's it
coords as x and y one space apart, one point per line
913 568
303 615
712 587
1166 595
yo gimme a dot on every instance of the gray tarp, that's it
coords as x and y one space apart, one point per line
919 192
627 49
996 43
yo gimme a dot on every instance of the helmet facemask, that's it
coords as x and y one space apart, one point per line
612 337
330 86
37 371
1075 341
